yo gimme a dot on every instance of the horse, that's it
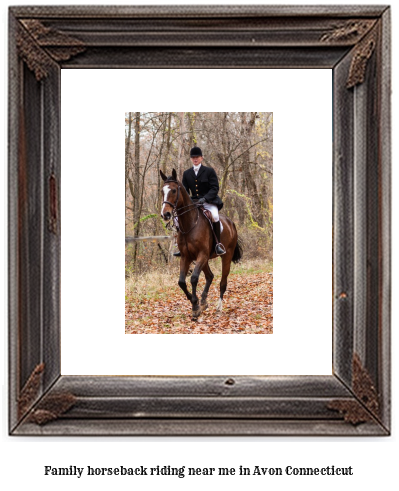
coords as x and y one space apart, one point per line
195 240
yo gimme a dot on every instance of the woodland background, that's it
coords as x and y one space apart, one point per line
238 145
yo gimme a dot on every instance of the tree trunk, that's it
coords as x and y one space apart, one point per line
163 158
247 129
127 156
224 158
192 136
136 182
180 160
168 143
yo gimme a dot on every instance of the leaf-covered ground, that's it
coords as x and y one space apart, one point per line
247 308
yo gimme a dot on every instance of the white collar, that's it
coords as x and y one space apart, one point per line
197 168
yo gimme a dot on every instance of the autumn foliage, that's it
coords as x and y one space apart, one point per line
247 308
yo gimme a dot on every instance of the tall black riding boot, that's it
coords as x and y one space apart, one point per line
219 247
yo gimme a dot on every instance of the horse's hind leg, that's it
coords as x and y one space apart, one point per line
184 266
226 263
209 278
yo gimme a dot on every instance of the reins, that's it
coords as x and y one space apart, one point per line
175 210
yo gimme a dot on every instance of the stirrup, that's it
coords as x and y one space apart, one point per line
220 246
177 254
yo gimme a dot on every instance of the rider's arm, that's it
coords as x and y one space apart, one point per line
213 186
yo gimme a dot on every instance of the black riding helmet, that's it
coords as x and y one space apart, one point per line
195 152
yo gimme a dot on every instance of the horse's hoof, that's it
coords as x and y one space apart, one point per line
204 306
196 313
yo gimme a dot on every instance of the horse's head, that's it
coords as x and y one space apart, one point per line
171 195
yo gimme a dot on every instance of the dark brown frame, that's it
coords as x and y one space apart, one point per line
353 41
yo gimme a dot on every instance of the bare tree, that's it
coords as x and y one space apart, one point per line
127 153
181 145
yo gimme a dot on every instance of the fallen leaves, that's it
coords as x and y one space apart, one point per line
247 309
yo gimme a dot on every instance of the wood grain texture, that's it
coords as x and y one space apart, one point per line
30 201
371 359
202 428
14 91
210 386
361 201
384 136
343 212
236 37
194 12
226 57
51 242
216 32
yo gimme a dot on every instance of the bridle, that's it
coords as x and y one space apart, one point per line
175 210
174 206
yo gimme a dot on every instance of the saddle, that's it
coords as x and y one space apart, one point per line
208 215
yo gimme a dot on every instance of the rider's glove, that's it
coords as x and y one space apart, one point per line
201 201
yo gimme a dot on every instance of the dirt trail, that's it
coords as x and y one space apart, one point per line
247 309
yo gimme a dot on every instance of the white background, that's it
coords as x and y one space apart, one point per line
93 208
374 459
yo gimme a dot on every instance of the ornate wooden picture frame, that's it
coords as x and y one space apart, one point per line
353 41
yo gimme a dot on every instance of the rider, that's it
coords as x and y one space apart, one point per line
202 183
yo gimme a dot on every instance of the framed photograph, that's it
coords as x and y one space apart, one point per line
172 164
49 198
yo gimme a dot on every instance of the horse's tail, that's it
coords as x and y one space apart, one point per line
238 251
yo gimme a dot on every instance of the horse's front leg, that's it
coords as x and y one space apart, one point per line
209 278
194 282
184 265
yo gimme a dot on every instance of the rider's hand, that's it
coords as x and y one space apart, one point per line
201 201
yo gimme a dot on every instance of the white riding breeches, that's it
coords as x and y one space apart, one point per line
215 214
213 209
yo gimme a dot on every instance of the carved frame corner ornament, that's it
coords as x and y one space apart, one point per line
364 33
30 391
353 42
362 54
348 31
39 45
366 406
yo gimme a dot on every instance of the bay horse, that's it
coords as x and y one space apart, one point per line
195 240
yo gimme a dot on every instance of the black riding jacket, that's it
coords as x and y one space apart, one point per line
203 185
